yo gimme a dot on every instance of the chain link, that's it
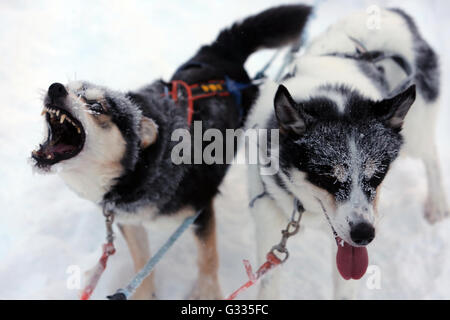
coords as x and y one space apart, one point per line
109 220
291 229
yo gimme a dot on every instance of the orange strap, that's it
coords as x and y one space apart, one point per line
96 272
271 262
211 88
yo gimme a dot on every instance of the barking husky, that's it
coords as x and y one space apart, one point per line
343 118
115 148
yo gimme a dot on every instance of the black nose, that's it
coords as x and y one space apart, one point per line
362 233
57 90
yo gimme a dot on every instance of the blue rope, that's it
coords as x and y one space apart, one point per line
128 291
304 37
261 74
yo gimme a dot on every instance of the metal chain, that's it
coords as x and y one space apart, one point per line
109 220
291 229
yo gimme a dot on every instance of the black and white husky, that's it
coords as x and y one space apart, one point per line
344 113
114 148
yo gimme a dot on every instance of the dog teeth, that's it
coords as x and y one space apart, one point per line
56 113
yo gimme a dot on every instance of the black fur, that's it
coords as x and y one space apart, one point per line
154 178
427 75
324 143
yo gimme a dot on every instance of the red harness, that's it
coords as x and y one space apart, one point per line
196 91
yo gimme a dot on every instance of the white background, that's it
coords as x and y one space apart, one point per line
44 227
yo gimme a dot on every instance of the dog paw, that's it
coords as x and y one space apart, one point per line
206 289
435 212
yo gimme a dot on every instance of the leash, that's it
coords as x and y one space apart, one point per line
363 54
128 291
108 250
272 259
261 74
304 37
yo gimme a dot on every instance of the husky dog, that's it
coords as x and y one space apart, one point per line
114 148
344 113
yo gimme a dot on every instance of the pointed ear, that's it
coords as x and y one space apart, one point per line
287 113
148 132
393 110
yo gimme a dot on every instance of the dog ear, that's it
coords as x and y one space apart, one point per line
393 110
287 112
148 132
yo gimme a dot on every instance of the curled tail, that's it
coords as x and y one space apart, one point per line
271 28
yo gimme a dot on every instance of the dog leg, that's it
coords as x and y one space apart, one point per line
419 132
436 208
207 285
269 223
137 241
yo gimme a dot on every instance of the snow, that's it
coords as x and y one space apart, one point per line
45 228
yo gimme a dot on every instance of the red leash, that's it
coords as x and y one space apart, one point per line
271 262
97 271
108 250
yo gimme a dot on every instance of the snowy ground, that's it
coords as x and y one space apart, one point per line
45 228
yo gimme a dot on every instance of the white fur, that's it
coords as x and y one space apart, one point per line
94 94
92 172
312 71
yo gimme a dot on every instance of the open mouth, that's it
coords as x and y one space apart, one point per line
65 140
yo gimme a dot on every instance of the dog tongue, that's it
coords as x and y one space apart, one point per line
351 261
60 148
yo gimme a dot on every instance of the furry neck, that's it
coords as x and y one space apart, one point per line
154 178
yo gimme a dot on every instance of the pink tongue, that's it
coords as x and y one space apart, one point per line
351 261
60 148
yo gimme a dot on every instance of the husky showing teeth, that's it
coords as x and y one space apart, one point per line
345 112
115 148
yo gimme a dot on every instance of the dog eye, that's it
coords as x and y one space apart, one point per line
340 173
370 168
96 107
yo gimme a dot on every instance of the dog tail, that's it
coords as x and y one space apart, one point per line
271 28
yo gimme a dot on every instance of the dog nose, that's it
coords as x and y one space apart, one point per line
57 90
362 233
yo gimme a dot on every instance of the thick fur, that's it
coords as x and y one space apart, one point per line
195 185
342 123
142 183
